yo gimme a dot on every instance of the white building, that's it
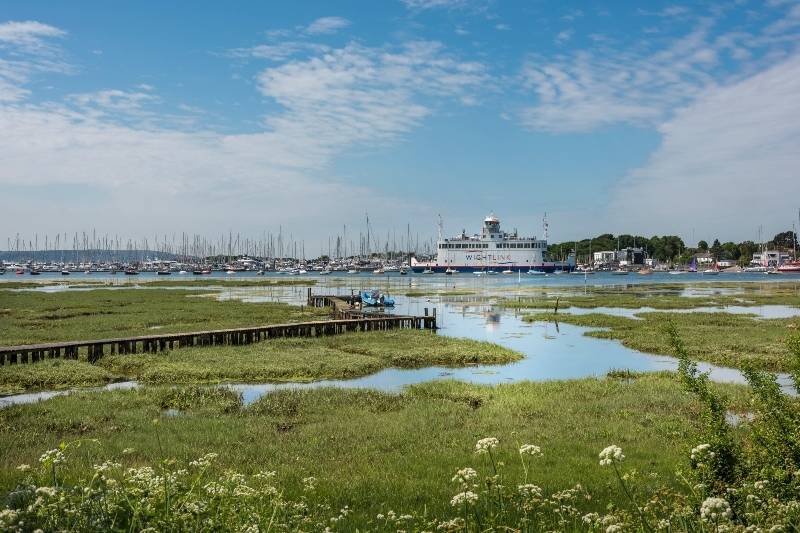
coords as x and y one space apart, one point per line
770 258
606 257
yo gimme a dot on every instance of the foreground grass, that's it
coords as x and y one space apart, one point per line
720 338
371 451
31 317
279 360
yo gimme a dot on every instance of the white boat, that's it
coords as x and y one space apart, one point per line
230 272
325 272
620 272
450 271
427 271
379 271
352 271
491 272
492 248
508 271
533 272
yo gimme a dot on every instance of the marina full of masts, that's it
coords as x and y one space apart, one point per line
207 266
347 251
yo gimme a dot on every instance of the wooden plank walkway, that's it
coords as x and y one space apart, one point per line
349 318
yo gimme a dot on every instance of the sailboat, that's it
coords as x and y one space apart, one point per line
693 265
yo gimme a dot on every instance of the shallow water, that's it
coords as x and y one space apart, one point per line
552 351
760 311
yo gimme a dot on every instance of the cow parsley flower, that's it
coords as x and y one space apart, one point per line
485 445
530 449
465 497
54 457
464 475
611 454
715 509
530 491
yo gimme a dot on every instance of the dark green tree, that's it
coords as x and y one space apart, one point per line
716 250
702 246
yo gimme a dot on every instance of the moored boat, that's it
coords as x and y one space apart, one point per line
492 250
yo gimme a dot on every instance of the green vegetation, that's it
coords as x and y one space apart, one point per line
278 360
664 296
29 317
719 338
52 374
303 360
371 451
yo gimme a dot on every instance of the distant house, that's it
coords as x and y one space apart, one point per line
606 257
726 263
770 258
704 258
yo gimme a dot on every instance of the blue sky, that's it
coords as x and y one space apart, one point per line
140 118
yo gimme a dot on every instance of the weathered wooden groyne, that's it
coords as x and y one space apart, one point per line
349 318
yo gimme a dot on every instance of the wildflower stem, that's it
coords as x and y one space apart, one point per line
645 524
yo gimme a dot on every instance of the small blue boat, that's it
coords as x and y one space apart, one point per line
376 299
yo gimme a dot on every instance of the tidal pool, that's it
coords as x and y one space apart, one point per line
552 352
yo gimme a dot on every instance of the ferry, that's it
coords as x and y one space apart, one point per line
490 251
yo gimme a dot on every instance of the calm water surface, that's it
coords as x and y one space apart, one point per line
552 351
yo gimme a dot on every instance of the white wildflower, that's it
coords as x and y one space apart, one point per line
590 518
760 485
715 509
24 468
464 498
530 449
487 444
530 491
54 457
128 451
464 475
46 491
205 461
611 454
613 528
309 483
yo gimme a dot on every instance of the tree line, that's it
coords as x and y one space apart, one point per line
671 248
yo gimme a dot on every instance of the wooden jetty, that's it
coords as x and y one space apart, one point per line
348 318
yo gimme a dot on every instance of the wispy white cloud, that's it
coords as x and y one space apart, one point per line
329 103
325 25
358 94
727 162
28 35
433 4
586 89
25 51
564 36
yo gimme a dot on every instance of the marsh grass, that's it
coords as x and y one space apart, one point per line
719 338
276 360
32 317
53 374
662 296
308 359
373 451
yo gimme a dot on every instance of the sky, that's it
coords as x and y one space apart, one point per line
153 118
